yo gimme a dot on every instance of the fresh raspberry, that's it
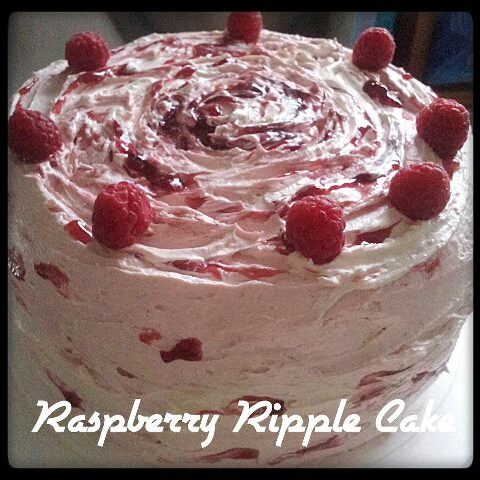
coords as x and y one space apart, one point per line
373 49
87 51
32 135
444 126
121 213
245 26
315 228
420 191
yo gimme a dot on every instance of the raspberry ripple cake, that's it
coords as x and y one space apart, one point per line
162 211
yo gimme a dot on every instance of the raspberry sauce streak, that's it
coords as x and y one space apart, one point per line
80 231
381 93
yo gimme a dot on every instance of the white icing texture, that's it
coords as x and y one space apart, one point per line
222 136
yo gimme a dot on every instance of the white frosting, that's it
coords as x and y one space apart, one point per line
270 324
246 180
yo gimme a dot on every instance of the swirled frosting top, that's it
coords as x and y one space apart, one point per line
222 136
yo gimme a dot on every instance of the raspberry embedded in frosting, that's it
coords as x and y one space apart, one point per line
420 191
444 126
32 135
373 49
245 26
87 51
121 214
315 228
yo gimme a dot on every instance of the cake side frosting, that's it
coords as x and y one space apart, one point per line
230 134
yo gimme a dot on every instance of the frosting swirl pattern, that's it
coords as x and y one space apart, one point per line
222 136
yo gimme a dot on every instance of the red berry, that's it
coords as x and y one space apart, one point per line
420 191
121 214
373 49
87 51
444 126
315 227
245 26
32 135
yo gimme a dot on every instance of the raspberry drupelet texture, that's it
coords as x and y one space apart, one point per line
245 26
121 213
315 227
32 135
420 191
87 51
373 49
444 126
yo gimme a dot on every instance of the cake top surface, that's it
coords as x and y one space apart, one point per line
222 137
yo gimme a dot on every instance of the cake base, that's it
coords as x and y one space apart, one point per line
452 392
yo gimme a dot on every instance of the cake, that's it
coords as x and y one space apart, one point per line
211 303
